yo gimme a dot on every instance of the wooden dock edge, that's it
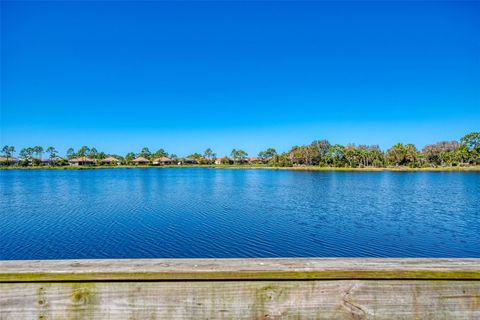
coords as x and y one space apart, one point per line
293 288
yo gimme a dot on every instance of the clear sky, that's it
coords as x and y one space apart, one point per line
185 76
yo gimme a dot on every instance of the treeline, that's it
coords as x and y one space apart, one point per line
445 153
318 153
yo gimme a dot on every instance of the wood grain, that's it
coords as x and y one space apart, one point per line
317 299
238 269
241 289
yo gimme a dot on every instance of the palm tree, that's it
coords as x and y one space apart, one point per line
145 152
209 154
26 153
8 152
160 153
462 154
129 157
351 155
337 155
396 154
411 154
53 153
238 155
70 153
23 153
82 152
93 153
38 150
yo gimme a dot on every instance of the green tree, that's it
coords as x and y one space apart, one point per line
26 153
302 155
281 160
129 157
441 153
375 156
396 154
352 155
209 154
8 152
233 154
196 156
145 152
93 153
36 162
261 155
462 154
70 153
336 155
319 151
403 155
411 155
267 154
160 153
53 153
38 150
362 154
239 155
471 142
83 151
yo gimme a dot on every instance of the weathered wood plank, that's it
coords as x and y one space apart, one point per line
317 299
238 269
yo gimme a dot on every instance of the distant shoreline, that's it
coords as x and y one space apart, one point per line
250 167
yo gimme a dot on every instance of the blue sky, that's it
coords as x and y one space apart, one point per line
185 76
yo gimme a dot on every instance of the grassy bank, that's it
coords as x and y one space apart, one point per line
266 167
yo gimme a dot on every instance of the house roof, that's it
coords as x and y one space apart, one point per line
81 159
140 159
109 159
162 159
4 159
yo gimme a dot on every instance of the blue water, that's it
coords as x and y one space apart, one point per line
143 213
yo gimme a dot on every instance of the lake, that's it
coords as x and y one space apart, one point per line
202 212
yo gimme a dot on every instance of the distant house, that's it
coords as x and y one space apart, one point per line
140 161
111 161
255 160
258 160
188 161
223 160
56 161
162 160
38 162
4 161
81 161
204 160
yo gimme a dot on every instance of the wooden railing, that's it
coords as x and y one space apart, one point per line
241 289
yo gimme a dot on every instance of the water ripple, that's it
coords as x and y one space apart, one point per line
237 213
